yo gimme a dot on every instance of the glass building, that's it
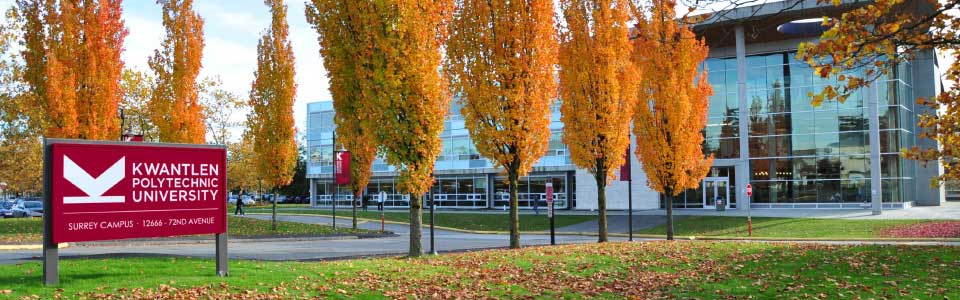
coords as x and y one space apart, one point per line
801 155
465 180
762 130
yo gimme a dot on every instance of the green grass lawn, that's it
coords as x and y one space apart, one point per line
30 230
467 221
778 227
687 270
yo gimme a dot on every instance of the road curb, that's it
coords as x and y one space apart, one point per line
30 246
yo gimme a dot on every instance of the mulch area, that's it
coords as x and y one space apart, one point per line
945 229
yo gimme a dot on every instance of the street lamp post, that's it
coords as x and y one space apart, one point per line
121 122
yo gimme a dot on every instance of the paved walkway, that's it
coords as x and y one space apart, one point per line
306 249
946 211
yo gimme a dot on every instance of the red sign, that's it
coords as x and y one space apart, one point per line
549 193
118 191
132 137
342 167
625 168
749 190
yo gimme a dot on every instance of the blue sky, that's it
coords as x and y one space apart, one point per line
231 30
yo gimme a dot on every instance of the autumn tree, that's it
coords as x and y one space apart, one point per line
21 151
220 107
501 60
174 106
71 51
877 38
403 97
272 95
21 163
339 50
137 87
598 86
242 160
672 108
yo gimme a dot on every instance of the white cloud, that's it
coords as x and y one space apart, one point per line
144 37
232 30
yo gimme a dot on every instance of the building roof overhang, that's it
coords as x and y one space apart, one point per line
761 21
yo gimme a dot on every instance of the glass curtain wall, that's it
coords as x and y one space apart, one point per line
460 192
805 154
532 191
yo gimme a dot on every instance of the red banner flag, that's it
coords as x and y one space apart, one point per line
342 167
625 168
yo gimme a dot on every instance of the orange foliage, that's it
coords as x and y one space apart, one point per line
73 66
672 110
598 85
501 61
879 37
174 107
271 96
394 56
340 48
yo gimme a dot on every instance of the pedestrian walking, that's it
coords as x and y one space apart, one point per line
239 210
381 199
536 206
365 200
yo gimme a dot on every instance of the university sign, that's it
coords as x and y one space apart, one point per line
98 190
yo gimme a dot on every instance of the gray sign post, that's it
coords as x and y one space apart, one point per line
51 256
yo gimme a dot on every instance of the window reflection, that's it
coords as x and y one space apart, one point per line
801 153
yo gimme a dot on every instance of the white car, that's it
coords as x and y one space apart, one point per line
247 200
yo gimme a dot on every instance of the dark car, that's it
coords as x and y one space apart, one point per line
6 208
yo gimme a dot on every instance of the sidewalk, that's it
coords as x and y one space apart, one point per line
947 211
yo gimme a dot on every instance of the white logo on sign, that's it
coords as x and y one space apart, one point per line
93 187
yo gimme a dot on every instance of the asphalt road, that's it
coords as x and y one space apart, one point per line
301 249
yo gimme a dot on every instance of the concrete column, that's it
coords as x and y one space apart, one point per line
926 83
569 185
876 195
743 163
490 192
313 193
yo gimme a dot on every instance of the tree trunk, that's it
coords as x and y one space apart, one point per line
669 217
513 177
274 219
602 207
415 223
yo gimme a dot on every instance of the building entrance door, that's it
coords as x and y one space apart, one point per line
715 188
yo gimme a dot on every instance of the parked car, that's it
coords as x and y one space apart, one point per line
23 209
247 200
270 197
33 208
6 208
